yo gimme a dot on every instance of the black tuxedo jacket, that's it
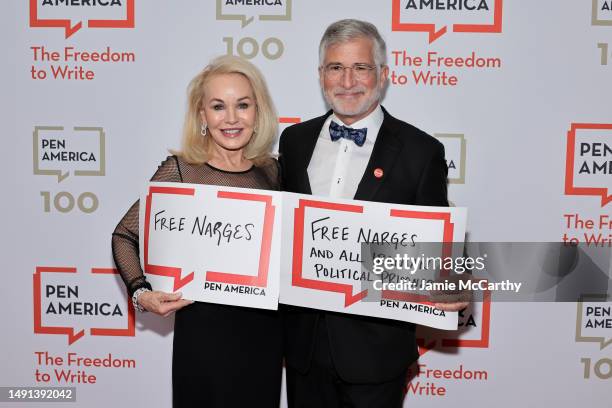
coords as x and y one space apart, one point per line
364 349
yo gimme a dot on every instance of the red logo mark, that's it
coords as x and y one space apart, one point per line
447 238
70 28
427 339
172 272
347 289
298 252
260 280
378 172
570 187
435 33
69 331
287 119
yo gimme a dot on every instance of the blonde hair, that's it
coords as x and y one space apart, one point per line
195 148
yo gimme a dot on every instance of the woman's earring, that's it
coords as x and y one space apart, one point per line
203 129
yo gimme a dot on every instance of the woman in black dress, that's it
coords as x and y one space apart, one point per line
223 356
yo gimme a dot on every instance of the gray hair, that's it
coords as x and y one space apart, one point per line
349 29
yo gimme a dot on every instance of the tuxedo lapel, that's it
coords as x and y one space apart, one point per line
309 140
386 148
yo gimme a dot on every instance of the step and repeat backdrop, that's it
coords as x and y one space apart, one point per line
94 93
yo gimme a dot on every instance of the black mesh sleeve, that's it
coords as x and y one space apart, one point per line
125 241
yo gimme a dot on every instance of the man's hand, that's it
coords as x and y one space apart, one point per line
452 307
452 300
162 303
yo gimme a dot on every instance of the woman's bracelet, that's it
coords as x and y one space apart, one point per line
137 293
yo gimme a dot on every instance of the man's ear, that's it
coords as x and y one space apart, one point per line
384 75
321 75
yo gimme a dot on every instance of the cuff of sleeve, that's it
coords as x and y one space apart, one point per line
138 284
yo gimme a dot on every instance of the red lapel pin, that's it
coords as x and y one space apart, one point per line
378 172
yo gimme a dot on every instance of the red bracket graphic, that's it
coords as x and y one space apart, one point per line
260 280
287 119
447 239
130 331
73 336
38 327
426 345
350 298
169 271
397 25
70 29
483 341
569 164
298 252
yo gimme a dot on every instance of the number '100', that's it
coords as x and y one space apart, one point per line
64 202
272 48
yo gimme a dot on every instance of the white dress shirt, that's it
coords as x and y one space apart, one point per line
336 168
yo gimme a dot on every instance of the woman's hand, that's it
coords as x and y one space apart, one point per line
162 303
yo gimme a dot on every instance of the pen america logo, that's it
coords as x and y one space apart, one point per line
594 326
73 15
588 167
473 329
245 11
60 151
73 303
437 68
594 320
439 17
455 152
601 14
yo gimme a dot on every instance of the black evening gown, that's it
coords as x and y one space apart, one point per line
223 356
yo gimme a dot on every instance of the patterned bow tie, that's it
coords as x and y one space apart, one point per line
337 131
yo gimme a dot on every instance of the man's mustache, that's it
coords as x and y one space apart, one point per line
344 91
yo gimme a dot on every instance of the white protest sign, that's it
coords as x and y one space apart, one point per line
214 244
322 265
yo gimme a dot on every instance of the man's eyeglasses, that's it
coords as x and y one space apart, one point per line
360 71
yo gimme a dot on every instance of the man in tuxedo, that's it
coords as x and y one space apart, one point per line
356 150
